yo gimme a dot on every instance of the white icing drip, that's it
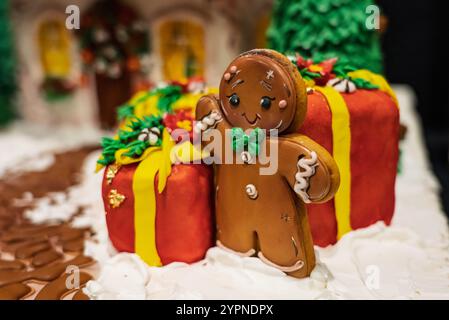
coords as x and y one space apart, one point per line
207 122
296 266
248 253
302 177
278 125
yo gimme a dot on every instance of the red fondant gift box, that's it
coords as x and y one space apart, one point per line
157 206
178 228
360 129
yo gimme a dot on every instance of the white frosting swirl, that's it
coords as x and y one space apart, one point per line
306 169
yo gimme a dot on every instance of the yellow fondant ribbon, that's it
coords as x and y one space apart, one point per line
145 210
341 134
158 162
375 79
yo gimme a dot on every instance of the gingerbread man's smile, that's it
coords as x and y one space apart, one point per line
252 122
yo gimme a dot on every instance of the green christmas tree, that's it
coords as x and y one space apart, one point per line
7 66
321 29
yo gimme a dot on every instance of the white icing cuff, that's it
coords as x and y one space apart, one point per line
302 176
207 122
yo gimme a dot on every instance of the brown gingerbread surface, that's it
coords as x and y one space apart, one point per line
258 214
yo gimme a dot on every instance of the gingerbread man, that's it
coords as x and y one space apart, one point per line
257 214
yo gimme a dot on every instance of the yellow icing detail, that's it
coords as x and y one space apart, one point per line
54 46
186 152
182 49
184 124
341 134
189 100
375 79
111 172
309 83
147 107
99 166
137 96
315 68
115 199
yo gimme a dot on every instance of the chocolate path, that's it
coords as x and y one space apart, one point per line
41 253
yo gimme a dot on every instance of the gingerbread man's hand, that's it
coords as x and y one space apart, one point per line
309 169
207 114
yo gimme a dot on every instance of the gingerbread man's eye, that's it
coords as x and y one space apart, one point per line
234 100
265 102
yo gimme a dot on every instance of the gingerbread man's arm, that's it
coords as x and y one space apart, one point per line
208 114
309 169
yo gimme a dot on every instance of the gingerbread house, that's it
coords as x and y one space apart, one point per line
79 77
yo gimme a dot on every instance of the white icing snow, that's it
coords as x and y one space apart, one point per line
30 147
374 263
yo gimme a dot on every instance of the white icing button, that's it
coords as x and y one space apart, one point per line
142 136
251 191
153 139
156 130
246 157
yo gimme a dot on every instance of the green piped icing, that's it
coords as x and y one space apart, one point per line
128 139
167 96
323 29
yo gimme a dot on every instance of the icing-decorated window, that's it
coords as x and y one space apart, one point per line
54 48
182 50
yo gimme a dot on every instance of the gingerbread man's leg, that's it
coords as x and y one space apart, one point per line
234 238
288 230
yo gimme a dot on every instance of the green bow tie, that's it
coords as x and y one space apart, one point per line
251 142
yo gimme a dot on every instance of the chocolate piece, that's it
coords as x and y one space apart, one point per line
11 265
18 245
265 214
76 245
47 273
14 291
13 236
46 257
29 251
69 234
21 238
80 295
57 288
402 131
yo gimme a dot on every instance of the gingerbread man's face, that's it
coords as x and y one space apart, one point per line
257 91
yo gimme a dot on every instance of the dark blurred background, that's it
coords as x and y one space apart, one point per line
415 46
